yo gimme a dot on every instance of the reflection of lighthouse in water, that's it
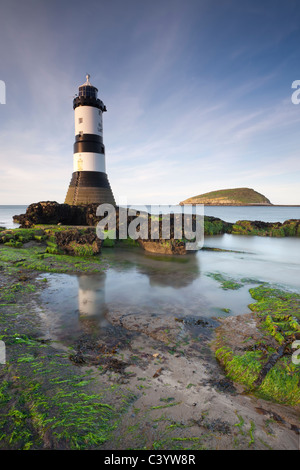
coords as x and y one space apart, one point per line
91 298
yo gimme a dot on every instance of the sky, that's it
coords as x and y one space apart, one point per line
198 96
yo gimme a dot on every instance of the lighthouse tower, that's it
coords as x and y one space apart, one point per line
89 182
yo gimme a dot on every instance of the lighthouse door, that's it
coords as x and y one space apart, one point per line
79 164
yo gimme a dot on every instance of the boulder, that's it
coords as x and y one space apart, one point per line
78 242
51 212
165 247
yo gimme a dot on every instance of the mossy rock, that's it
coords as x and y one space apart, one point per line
264 366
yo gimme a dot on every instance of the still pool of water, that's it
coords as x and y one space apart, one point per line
148 284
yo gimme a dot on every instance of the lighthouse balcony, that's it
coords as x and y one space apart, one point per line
88 101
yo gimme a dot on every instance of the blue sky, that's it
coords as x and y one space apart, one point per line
198 96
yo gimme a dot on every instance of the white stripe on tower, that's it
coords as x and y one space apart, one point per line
89 161
88 120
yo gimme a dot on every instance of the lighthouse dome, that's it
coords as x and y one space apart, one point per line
87 89
87 96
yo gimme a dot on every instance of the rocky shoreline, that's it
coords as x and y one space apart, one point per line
68 217
147 382
77 219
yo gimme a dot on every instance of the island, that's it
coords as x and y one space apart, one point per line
230 197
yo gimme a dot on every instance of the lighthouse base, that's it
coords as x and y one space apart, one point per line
89 187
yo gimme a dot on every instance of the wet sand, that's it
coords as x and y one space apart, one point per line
181 392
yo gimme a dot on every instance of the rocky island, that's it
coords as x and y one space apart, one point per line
229 197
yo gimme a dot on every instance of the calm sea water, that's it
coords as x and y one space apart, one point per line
262 213
228 213
146 284
7 213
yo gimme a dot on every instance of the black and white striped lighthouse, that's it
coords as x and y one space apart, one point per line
89 183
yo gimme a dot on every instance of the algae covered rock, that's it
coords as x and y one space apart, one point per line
166 247
18 237
289 228
256 350
216 226
78 242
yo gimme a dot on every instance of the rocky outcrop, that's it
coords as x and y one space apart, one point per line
164 247
78 242
51 212
57 240
289 228
150 240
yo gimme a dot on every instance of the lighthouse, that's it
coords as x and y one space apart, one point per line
89 183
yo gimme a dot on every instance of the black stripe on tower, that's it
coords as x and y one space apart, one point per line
88 143
91 179
93 137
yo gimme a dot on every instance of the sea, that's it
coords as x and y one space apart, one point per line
226 213
7 213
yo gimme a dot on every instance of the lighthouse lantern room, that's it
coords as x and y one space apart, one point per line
89 182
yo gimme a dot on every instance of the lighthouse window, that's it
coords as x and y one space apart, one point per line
80 120
88 91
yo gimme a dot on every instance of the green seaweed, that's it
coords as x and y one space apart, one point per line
44 396
226 283
244 368
289 228
37 259
278 312
9 294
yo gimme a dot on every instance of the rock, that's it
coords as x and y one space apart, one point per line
289 228
79 242
51 212
166 247
90 215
